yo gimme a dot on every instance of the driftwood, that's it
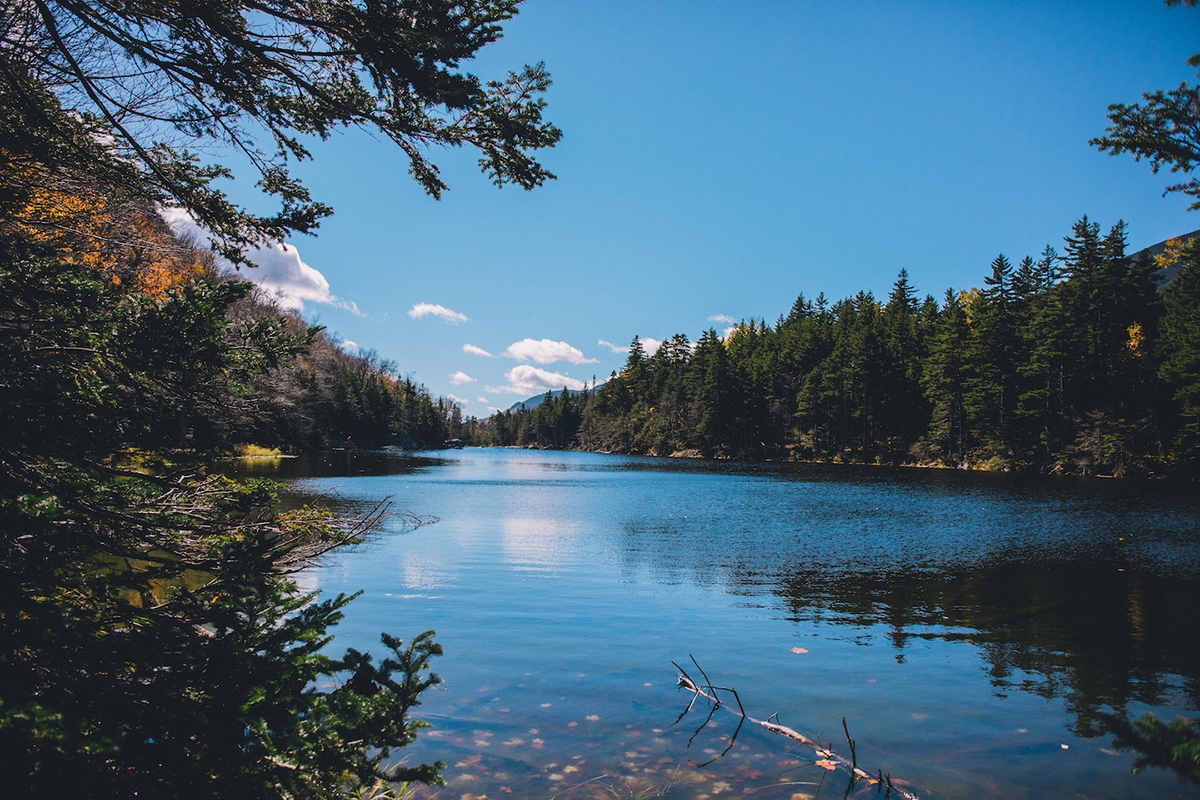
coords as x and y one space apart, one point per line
825 757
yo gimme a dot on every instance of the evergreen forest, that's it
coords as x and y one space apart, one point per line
152 640
1078 362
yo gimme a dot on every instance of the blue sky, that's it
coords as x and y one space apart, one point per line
718 159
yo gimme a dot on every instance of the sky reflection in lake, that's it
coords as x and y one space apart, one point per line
968 626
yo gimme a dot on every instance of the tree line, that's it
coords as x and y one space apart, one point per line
308 395
152 642
1078 362
326 397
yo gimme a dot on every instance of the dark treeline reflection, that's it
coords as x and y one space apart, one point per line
1075 629
1079 590
1084 591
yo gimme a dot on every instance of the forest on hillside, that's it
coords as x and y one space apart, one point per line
152 640
1077 362
118 269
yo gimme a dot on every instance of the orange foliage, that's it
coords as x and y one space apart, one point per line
80 224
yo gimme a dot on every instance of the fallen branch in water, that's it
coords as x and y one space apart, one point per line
824 756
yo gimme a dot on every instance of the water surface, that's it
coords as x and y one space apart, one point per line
971 628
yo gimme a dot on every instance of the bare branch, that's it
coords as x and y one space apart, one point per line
824 756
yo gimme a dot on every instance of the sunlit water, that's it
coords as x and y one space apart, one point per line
969 627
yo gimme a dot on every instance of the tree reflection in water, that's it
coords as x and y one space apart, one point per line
1075 629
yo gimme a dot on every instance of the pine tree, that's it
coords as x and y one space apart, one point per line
1083 295
945 382
902 411
636 372
708 387
991 392
1045 429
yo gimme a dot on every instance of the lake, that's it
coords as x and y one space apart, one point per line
971 628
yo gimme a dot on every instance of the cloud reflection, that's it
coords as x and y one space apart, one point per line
539 544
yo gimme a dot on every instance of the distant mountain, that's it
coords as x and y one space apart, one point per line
1168 275
536 400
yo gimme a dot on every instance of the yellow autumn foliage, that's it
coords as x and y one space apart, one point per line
1174 252
1135 345
81 225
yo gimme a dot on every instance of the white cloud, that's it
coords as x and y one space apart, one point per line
649 345
546 352
427 309
476 351
279 269
725 318
728 332
481 399
527 380
281 272
455 399
460 377
349 345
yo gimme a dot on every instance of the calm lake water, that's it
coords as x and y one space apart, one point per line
969 627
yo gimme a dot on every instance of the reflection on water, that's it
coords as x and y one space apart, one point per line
1057 628
971 627
1086 592
332 463
530 543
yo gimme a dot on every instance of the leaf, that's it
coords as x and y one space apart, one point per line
799 650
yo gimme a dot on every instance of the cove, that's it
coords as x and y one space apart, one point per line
972 628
